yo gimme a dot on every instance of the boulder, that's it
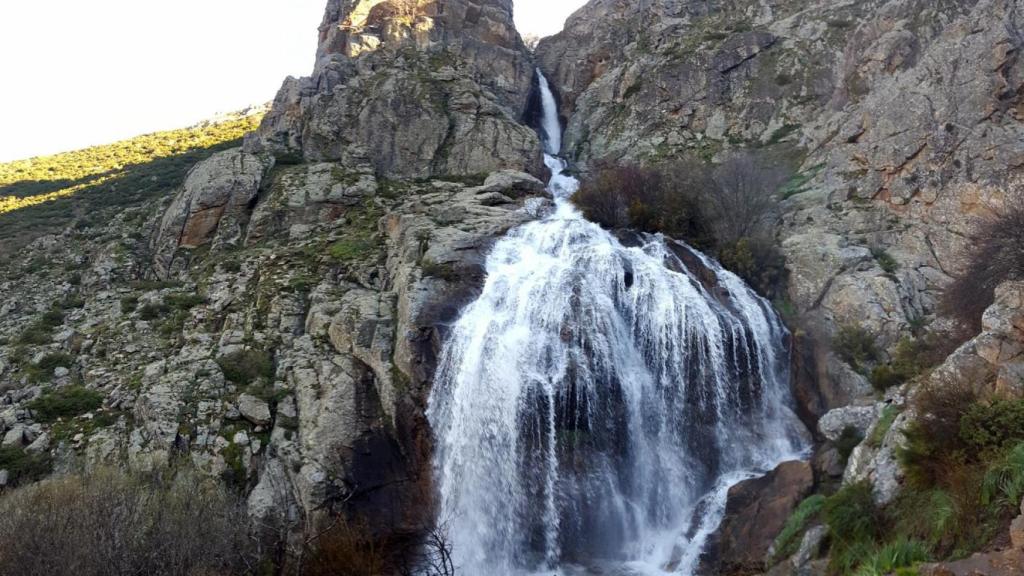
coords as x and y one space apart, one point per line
18 436
755 514
254 410
214 201
859 418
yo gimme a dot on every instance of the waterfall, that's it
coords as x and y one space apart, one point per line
592 407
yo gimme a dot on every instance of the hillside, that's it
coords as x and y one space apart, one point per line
48 193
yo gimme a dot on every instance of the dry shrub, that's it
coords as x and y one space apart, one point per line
109 523
934 447
663 199
351 548
727 209
744 205
996 255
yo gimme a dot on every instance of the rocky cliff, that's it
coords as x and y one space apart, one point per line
414 88
900 145
277 321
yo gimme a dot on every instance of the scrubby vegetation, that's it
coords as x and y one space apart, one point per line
359 239
179 522
964 462
996 254
856 346
50 193
22 466
43 369
112 524
245 366
910 358
789 539
41 330
728 209
66 402
849 439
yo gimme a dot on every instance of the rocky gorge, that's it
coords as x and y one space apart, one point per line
278 321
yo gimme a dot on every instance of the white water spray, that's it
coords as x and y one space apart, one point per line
593 406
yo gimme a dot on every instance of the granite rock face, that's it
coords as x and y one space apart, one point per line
411 87
900 146
212 205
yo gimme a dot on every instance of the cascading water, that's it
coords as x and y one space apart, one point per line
595 403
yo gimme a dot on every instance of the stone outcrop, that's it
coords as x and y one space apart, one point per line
214 203
411 87
755 513
993 361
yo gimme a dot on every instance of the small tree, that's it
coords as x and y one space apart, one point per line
996 254
744 203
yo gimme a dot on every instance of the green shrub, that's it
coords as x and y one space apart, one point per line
129 304
65 402
52 318
911 358
351 249
883 425
153 310
245 366
852 515
1004 482
884 377
787 541
35 335
856 346
901 553
23 467
993 426
934 445
885 260
41 331
184 301
43 369
172 324
72 302
928 515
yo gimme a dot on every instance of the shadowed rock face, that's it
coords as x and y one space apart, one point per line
756 513
414 88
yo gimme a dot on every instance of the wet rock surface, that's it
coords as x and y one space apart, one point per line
756 512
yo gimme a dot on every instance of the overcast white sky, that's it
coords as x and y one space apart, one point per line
82 72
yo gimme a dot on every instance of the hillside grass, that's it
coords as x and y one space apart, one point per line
49 193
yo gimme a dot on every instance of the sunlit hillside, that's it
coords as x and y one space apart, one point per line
39 195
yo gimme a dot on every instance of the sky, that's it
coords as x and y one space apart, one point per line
84 72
